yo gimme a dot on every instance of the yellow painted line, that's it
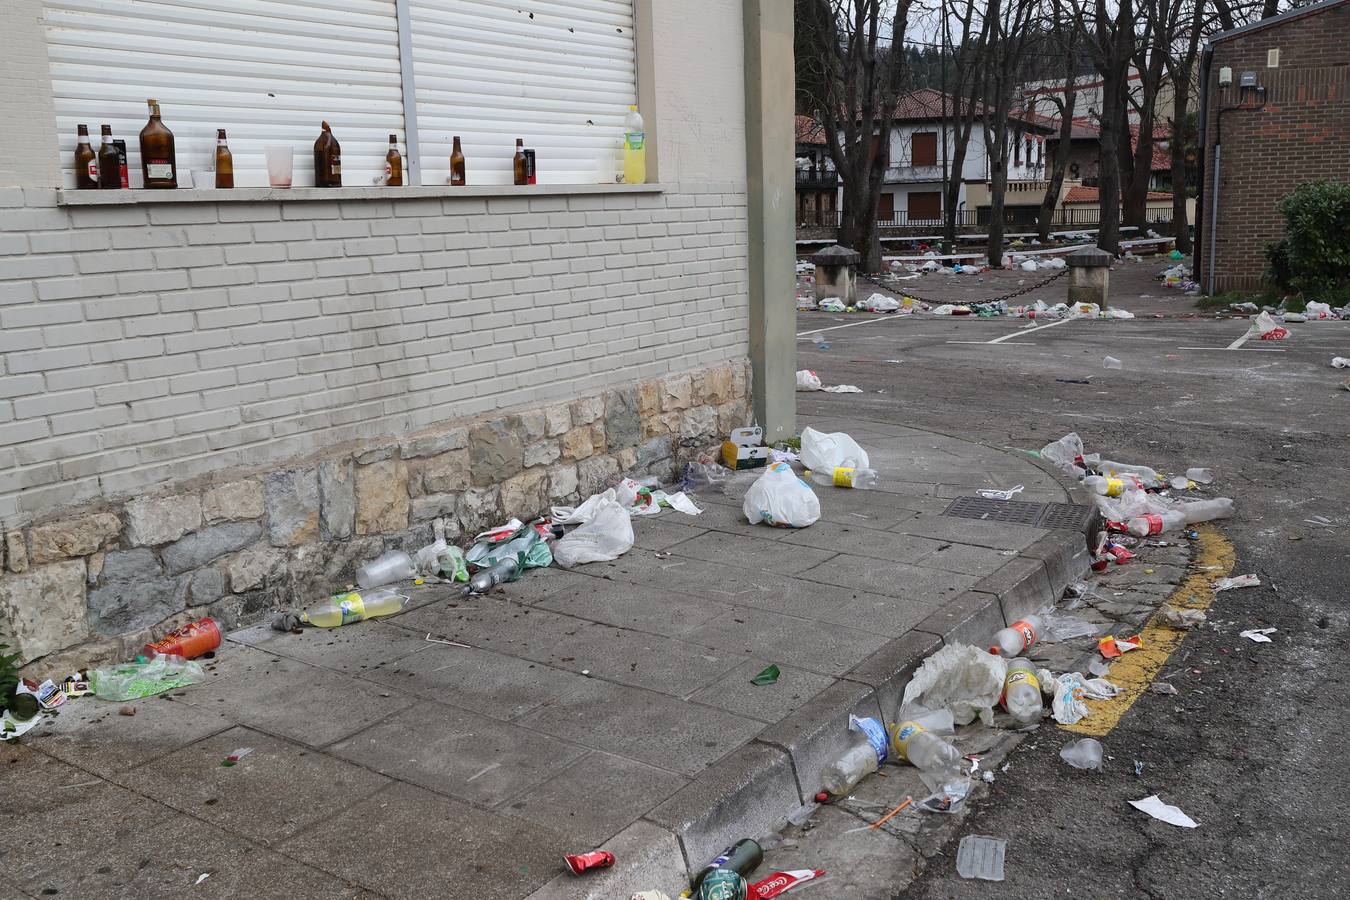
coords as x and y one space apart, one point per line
1136 670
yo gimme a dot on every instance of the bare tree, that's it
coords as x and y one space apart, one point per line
1108 36
1151 51
1003 62
965 47
1061 34
1180 64
860 64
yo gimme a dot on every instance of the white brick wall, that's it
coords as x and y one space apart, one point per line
145 344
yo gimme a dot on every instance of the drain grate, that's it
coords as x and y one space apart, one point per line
1019 512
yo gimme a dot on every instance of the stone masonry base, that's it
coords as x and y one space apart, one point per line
92 585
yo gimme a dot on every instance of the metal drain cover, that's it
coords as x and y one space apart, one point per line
1019 512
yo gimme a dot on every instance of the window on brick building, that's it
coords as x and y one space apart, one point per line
487 71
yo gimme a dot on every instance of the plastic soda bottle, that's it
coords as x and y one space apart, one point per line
343 609
1155 523
848 477
1017 637
1204 510
1022 692
924 750
634 148
861 759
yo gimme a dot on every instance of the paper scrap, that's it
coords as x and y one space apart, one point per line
1111 647
202 877
680 502
843 389
1163 812
1258 635
1240 581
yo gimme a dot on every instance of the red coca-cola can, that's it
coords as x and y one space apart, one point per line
596 859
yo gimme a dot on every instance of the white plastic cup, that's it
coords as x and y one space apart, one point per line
280 164
394 565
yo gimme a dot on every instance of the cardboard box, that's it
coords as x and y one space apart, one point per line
743 451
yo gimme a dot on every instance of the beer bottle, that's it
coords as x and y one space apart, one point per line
518 163
224 161
327 159
393 164
457 164
109 161
86 163
159 168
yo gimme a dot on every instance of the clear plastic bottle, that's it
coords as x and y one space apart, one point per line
634 148
1108 467
1200 476
864 755
1022 692
344 609
1155 523
1106 487
847 477
1017 637
484 580
924 750
1204 510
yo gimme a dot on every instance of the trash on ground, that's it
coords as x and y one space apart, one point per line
781 499
981 857
892 814
706 475
127 711
802 814
948 799
386 569
1238 581
134 680
1066 454
202 877
581 862
961 678
723 884
1162 687
1022 692
1110 362
1181 618
808 380
1099 667
1083 754
832 305
740 859
1017 637
443 560
1267 327
1200 476
843 389
827 452
1110 646
1340 362
1060 626
233 758
779 882
650 895
932 755
744 449
861 479
768 676
190 641
1163 812
865 754
995 494
879 303
1072 690
606 536
354 606
1259 635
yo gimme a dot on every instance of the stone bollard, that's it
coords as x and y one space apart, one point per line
1089 276
835 274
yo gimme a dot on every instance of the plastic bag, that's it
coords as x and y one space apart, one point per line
706 476
1072 690
1317 310
1060 626
580 515
1268 328
133 680
879 303
826 452
529 549
1065 453
831 304
965 679
608 535
808 381
779 497
439 558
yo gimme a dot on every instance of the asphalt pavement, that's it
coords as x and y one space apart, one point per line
1253 745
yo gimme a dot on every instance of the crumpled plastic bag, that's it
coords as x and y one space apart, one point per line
965 679
528 548
440 558
1071 690
832 304
607 535
823 452
944 309
879 303
1084 311
1317 310
1064 453
580 515
1270 330
706 476
808 381
1061 626
780 498
133 680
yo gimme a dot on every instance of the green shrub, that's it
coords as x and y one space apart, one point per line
1315 254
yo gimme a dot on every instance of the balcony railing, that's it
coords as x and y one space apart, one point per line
809 178
1022 218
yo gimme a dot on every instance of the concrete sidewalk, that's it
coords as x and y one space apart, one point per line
606 706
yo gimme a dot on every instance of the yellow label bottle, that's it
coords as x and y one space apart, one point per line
634 148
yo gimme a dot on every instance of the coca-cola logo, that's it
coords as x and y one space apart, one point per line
780 881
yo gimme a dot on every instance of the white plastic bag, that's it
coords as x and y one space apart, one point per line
1317 310
965 679
1064 452
1072 690
808 381
779 497
579 515
879 303
1268 328
826 452
608 535
831 304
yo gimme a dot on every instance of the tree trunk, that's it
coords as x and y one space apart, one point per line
1108 168
1058 166
1180 226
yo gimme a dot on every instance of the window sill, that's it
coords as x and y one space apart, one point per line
122 197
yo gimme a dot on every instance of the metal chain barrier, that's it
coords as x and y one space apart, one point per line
1001 298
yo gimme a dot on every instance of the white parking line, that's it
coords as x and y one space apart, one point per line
1009 344
1240 341
1244 349
1024 331
802 334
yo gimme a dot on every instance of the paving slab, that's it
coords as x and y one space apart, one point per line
408 842
659 532
889 578
458 753
965 559
814 645
750 553
351 648
645 726
655 609
735 693
269 795
858 540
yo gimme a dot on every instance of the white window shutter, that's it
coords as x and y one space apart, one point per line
267 71
560 74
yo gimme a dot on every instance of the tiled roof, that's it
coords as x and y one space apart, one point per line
1080 194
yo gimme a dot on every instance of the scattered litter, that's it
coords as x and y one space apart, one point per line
386 569
1073 381
1111 362
1240 581
843 389
994 494
190 641
1099 668
767 676
808 380
127 711
801 815
233 759
202 877
949 800
1111 647
1162 687
1259 635
354 606
432 640
879 303
1340 362
1059 626
890 815
780 498
607 536
961 678
981 857
1163 812
1182 618
1268 328
581 862
1083 754
1138 768
1072 690
134 680
821 452
780 882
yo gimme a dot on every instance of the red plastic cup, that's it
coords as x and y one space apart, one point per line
189 642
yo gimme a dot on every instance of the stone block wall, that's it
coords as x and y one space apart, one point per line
94 584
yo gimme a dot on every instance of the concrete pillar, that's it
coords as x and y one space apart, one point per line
837 274
1089 276
771 182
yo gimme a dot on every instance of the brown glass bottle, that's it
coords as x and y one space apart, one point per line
457 164
86 162
159 167
518 163
393 164
109 161
327 159
224 161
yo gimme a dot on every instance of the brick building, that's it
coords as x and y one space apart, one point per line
1275 113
